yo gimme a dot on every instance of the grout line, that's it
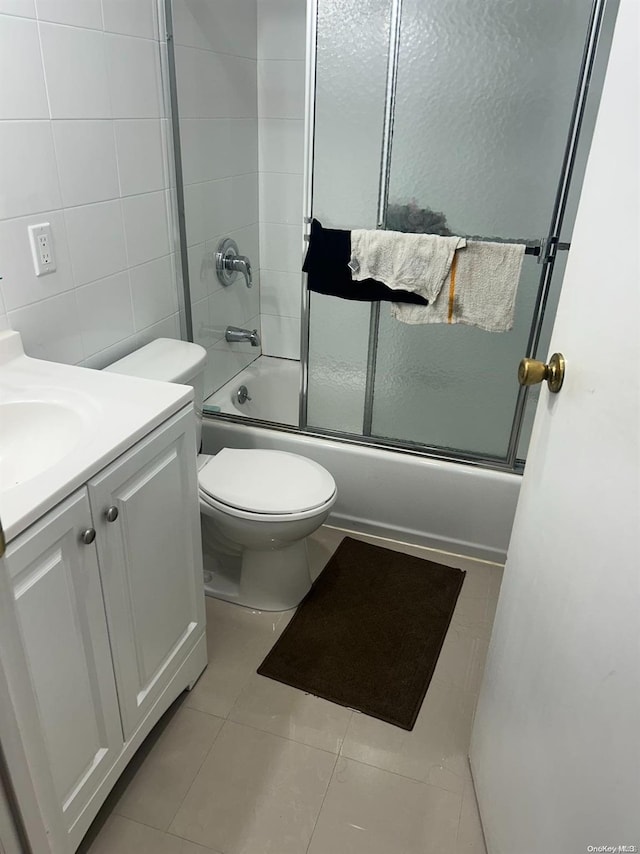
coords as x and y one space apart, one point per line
326 792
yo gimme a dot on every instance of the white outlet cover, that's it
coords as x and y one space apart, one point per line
41 241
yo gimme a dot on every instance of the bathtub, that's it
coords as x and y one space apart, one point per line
433 503
273 386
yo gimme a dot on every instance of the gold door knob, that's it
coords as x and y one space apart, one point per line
531 372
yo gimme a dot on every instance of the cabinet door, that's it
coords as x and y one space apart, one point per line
66 701
151 562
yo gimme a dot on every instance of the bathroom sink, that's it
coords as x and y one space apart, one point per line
35 435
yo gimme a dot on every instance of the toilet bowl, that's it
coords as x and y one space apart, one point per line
257 509
257 506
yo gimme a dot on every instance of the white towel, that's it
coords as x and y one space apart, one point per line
480 289
408 262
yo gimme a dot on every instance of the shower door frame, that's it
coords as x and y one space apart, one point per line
510 462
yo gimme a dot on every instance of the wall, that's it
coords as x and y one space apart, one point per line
216 69
83 147
281 73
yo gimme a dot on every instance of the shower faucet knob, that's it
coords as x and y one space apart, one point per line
229 263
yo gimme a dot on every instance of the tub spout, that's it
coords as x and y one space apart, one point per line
235 334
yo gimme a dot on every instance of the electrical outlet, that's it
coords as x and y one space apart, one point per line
41 240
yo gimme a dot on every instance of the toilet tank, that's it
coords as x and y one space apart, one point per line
169 360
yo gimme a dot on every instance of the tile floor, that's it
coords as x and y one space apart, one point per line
245 765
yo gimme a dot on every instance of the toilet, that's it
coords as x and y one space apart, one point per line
257 506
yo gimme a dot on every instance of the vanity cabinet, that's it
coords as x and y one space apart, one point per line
148 538
107 623
63 629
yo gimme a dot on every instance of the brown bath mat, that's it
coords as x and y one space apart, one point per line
369 632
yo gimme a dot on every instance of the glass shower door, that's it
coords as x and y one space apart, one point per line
483 105
482 111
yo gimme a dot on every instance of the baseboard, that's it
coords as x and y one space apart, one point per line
473 551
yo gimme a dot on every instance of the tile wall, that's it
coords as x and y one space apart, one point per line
281 71
216 69
83 146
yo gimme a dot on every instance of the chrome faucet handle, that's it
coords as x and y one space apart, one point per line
229 263
241 264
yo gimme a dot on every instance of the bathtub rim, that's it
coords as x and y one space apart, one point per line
415 449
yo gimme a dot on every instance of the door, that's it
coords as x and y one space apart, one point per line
555 748
63 631
151 562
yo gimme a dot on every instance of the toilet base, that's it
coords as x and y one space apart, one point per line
266 580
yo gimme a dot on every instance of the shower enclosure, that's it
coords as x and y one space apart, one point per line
477 115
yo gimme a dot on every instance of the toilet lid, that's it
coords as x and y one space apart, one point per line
266 481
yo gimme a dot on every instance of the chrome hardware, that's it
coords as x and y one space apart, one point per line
229 263
88 536
242 395
531 372
235 334
111 513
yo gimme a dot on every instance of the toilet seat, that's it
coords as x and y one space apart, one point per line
264 484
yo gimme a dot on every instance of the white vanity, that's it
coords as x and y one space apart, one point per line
102 618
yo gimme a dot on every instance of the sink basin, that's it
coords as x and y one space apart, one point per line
35 435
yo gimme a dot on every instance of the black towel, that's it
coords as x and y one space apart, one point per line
326 266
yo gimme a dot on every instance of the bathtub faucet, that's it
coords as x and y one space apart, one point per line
235 334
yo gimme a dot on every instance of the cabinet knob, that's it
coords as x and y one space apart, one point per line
111 513
88 536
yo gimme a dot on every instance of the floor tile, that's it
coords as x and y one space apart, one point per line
256 793
369 811
119 835
237 641
435 751
160 775
470 837
320 547
273 707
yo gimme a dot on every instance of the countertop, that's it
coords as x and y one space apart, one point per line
116 412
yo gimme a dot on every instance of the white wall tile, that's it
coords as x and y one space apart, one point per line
111 354
167 328
281 336
218 208
76 13
76 72
22 8
194 213
86 155
234 305
200 271
243 146
141 156
228 26
280 293
281 197
105 312
50 329
27 190
22 90
134 77
153 292
280 89
96 241
281 247
131 17
19 285
146 227
281 145
244 201
242 87
281 29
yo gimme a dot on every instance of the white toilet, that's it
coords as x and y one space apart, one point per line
257 506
